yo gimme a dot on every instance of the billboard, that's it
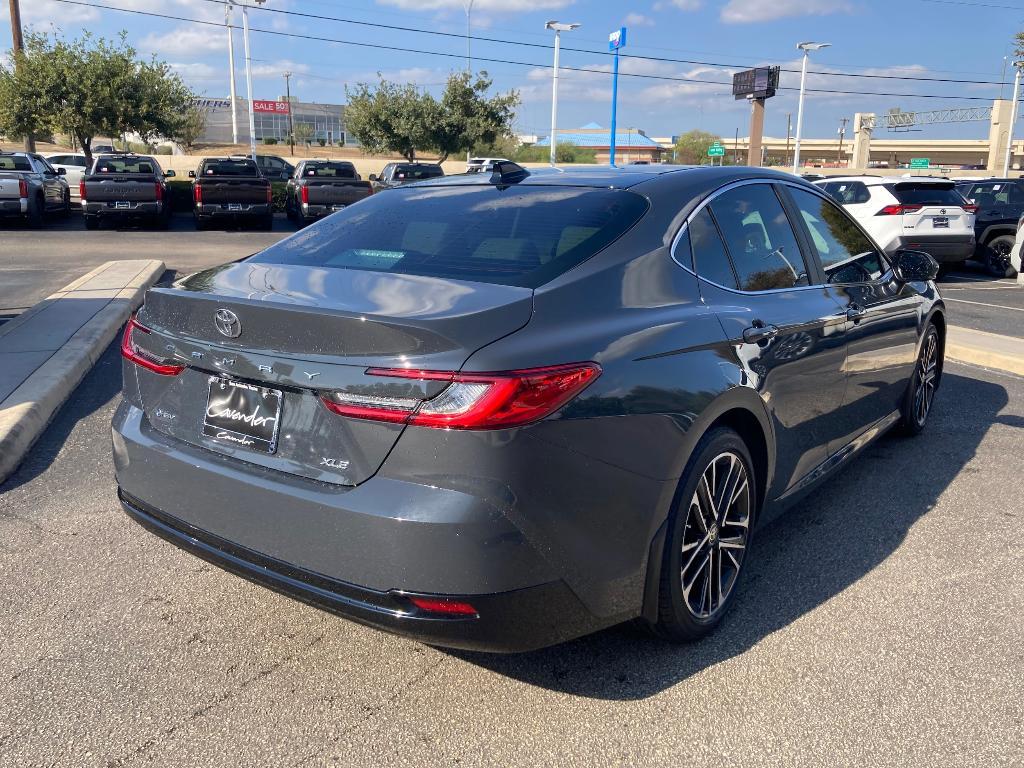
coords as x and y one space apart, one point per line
759 83
277 107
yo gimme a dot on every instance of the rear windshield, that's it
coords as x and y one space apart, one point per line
418 171
17 163
522 236
125 165
909 193
330 170
230 168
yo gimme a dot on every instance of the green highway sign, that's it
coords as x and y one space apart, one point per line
716 150
920 162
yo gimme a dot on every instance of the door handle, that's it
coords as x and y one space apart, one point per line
759 332
856 313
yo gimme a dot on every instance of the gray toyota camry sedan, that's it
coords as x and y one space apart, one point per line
497 412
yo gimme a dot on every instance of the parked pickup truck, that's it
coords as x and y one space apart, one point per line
125 188
30 188
232 189
397 174
320 187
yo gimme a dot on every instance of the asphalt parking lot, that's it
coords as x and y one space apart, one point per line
880 624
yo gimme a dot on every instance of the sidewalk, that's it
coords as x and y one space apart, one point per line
991 350
45 351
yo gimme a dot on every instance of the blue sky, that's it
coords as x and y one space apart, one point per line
954 39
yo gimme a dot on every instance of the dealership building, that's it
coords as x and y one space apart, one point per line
326 122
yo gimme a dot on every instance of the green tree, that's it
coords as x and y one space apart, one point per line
692 147
391 118
191 126
303 133
89 87
467 117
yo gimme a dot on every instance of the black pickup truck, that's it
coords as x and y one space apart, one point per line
320 187
125 188
1000 205
233 190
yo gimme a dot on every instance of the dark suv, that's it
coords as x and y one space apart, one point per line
1000 205
501 410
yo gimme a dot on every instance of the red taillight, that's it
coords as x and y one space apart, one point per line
304 194
159 192
440 605
270 195
130 351
970 207
22 188
897 210
472 400
197 193
81 189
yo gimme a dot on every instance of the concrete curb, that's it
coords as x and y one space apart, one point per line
991 350
27 411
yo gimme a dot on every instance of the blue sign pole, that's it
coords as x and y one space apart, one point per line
616 40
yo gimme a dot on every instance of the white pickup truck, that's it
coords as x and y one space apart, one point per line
30 188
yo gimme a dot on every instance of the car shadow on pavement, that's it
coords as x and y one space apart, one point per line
101 385
800 559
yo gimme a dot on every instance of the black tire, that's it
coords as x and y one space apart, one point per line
66 210
36 213
266 223
201 225
923 384
997 255
92 222
697 547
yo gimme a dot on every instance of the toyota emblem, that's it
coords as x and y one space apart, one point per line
227 323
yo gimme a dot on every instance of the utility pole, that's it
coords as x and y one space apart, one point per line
248 79
468 6
842 134
789 132
231 71
1013 115
19 47
736 148
288 97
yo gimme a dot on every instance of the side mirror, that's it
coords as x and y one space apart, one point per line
191 174
914 266
373 177
62 171
169 174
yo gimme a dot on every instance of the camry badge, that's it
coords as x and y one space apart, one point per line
227 323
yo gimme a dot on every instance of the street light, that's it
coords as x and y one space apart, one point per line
558 28
248 74
1013 116
806 48
231 71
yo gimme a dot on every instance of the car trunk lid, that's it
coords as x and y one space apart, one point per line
294 334
933 208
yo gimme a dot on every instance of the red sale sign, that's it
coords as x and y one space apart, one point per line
279 107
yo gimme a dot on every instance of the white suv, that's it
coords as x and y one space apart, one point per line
922 213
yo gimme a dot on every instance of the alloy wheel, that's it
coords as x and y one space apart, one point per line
715 536
999 256
927 378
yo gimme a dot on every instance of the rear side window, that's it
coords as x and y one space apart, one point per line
759 238
523 236
230 168
911 193
848 192
17 163
119 165
710 260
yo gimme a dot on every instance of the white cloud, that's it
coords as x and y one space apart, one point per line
747 11
683 5
198 71
493 6
278 68
638 20
186 42
50 12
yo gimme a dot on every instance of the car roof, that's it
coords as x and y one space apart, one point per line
619 177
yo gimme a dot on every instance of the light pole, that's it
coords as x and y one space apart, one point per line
806 48
231 71
1013 116
842 135
288 96
248 77
558 28
616 40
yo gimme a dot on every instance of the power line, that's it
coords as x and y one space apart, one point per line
970 4
532 65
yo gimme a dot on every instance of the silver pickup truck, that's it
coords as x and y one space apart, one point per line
30 188
126 188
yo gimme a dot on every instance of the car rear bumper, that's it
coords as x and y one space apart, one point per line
316 211
221 210
356 551
109 210
18 207
943 248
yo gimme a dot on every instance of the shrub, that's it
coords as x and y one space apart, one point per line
163 150
269 140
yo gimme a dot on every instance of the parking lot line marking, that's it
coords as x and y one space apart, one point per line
1006 287
983 304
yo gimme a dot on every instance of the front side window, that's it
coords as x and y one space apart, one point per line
846 254
759 238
